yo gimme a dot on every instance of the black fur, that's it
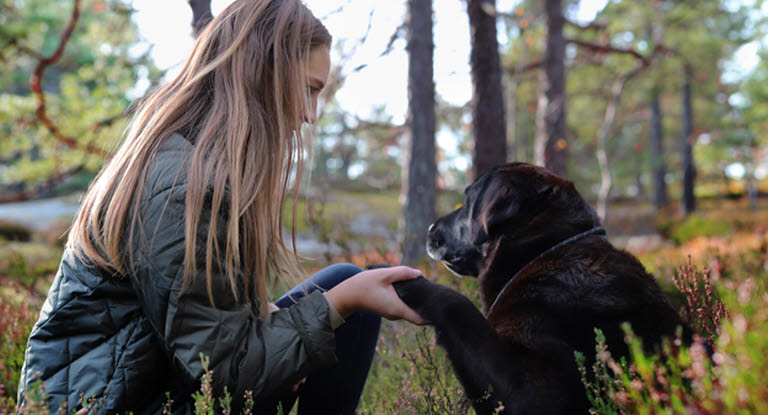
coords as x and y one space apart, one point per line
520 354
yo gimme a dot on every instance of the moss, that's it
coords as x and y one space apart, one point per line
698 226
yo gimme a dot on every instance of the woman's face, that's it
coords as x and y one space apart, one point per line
319 67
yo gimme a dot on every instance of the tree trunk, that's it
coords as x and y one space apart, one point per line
611 108
752 190
420 194
689 169
551 147
513 137
201 14
488 117
658 166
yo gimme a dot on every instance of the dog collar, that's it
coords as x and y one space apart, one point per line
598 230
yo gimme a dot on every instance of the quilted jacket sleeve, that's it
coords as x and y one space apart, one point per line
246 353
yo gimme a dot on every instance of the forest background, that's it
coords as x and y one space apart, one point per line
656 110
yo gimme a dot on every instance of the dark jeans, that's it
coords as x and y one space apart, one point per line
337 389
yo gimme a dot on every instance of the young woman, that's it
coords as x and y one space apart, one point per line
169 257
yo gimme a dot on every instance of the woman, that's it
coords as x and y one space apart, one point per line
169 255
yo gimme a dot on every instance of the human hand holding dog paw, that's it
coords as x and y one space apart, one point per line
372 291
434 302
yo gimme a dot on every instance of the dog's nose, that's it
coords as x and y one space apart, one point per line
435 238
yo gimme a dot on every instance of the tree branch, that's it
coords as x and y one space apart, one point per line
530 66
106 122
48 185
37 81
611 109
37 75
605 48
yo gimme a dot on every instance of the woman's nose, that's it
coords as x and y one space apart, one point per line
310 114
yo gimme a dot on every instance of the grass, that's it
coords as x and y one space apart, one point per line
411 375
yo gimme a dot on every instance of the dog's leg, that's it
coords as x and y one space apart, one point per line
490 375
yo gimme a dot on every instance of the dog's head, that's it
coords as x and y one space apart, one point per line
518 201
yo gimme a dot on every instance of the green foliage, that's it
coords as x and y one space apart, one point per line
697 226
683 380
412 376
16 322
204 402
86 92
36 401
651 384
702 34
702 309
26 263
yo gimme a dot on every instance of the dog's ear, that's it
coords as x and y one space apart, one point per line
496 204
510 196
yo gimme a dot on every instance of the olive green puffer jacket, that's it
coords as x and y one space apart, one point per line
126 340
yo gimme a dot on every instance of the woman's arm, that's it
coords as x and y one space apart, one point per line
245 352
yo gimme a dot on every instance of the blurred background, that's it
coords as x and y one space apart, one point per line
656 110
646 106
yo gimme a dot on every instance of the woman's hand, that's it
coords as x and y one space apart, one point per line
271 307
372 291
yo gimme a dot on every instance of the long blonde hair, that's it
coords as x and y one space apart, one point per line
240 98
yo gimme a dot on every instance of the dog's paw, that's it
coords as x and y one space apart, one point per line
432 301
413 292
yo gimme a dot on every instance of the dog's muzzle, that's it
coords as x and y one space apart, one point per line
444 244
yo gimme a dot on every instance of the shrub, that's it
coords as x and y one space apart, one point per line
16 322
697 226
16 268
11 231
684 380
205 402
412 376
673 382
702 309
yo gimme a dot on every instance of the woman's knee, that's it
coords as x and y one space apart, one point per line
333 275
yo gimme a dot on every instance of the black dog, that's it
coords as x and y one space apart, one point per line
547 277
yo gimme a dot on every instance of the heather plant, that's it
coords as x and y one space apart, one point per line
204 402
16 321
36 402
686 380
412 376
702 308
669 382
